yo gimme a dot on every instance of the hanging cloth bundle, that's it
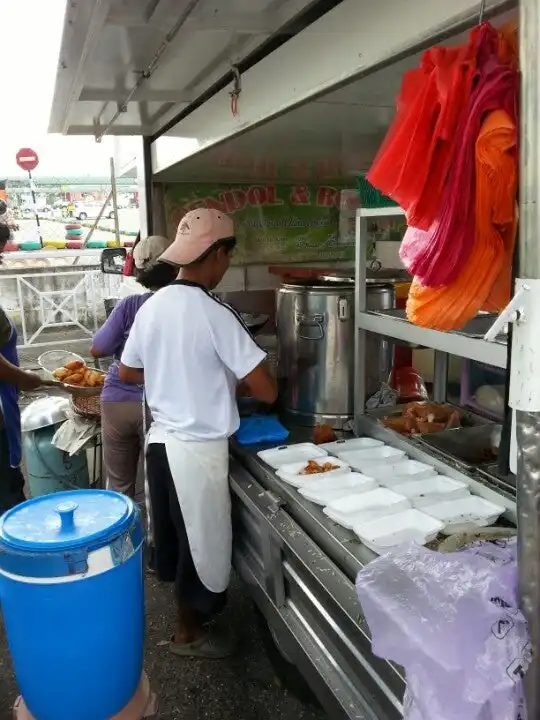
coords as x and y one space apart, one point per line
485 280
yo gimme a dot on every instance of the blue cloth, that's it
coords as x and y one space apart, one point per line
259 429
9 402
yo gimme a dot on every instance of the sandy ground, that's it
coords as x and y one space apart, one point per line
240 688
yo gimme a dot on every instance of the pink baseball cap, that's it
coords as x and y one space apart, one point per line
197 232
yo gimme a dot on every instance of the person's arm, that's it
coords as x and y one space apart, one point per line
261 385
130 375
131 366
20 378
109 338
11 373
241 354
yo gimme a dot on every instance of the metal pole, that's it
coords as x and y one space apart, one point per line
33 191
523 374
115 203
440 377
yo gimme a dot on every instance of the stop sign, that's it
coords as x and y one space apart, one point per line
27 159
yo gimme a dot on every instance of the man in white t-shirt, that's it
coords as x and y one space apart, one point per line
193 351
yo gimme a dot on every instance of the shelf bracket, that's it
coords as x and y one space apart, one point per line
514 311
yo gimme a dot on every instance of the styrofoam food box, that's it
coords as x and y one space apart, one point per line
365 507
438 488
359 443
393 530
326 490
287 454
291 474
404 470
364 459
465 514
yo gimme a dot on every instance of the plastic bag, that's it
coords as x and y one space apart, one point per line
261 429
453 622
409 385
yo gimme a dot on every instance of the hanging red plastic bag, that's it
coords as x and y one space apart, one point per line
413 162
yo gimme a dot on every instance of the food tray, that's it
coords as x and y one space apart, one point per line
363 460
291 473
324 491
433 490
465 514
363 508
360 443
391 531
404 470
287 454
470 445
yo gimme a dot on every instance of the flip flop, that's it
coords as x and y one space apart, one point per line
209 646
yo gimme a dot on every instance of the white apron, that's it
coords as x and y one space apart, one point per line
200 472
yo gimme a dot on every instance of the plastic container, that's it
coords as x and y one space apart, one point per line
363 459
291 474
287 454
361 443
363 508
323 492
48 469
465 514
389 532
404 470
437 489
71 588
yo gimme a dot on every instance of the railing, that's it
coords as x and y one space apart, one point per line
56 306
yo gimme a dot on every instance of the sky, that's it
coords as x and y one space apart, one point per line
31 36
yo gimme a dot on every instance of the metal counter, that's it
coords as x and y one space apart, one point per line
300 568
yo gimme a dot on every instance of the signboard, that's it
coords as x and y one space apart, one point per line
27 159
275 223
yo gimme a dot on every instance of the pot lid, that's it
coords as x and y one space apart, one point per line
70 520
44 412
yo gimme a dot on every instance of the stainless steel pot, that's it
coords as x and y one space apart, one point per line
315 330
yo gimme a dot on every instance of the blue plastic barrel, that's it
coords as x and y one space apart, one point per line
71 590
50 469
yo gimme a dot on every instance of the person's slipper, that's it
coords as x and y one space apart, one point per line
209 646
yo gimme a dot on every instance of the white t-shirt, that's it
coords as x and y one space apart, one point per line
193 349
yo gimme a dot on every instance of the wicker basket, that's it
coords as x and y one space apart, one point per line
88 406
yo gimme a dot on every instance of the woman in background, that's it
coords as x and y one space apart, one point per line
122 421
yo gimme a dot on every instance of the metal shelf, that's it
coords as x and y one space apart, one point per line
380 212
459 343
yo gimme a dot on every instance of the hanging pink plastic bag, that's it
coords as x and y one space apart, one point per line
453 622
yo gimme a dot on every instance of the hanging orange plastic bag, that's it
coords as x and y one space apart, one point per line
485 279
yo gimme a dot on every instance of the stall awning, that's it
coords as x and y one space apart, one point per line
126 67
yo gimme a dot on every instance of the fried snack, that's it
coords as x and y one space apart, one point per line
323 434
74 365
81 376
61 373
313 468
74 379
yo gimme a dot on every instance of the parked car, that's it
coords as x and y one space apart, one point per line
90 210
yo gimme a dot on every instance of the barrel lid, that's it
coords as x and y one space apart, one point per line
69 520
